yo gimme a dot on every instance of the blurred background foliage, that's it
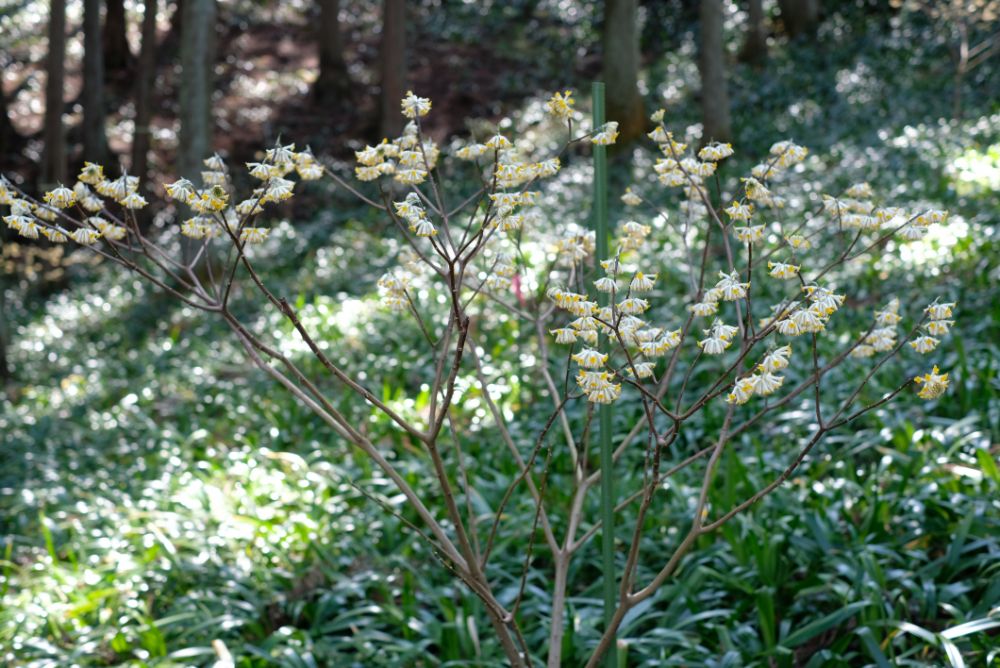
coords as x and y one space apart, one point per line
162 505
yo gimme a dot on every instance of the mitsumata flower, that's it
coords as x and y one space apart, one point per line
932 384
507 245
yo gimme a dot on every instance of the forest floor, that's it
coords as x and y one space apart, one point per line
160 501
266 66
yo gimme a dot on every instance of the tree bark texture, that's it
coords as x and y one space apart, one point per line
333 85
392 61
754 48
620 68
117 55
54 160
715 114
800 17
197 64
146 75
95 143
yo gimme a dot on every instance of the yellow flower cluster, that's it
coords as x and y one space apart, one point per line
393 286
765 381
883 337
406 158
34 219
560 105
502 271
630 198
718 338
932 384
605 135
634 235
809 319
715 151
939 324
212 204
620 322
728 288
782 270
415 216
857 211
414 107
749 234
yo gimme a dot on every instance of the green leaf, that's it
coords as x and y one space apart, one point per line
967 628
868 640
988 464
954 656
822 624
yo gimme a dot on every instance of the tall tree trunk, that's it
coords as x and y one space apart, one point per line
116 51
144 93
801 17
392 61
95 143
54 162
9 138
960 68
620 68
170 44
755 42
332 86
712 65
197 63
5 371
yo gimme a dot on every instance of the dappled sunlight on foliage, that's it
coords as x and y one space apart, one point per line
166 503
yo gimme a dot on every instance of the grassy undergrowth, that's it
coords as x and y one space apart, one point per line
157 497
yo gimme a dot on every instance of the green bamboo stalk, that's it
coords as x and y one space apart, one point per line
600 215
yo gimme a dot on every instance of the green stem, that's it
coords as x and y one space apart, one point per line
600 213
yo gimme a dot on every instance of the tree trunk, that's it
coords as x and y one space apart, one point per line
801 17
755 43
9 138
54 161
332 86
712 65
95 143
145 77
393 65
960 69
5 371
197 63
170 44
620 68
195 107
117 55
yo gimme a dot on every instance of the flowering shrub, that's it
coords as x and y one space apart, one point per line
760 290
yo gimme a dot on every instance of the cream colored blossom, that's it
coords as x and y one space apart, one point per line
560 105
933 384
606 134
750 234
590 359
924 344
61 197
630 198
738 211
782 270
716 151
253 235
414 106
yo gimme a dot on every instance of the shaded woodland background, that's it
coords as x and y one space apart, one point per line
127 85
158 500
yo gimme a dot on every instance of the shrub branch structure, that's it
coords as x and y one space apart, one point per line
766 319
